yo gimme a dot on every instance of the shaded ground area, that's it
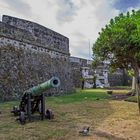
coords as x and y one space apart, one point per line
124 94
120 97
108 119
120 94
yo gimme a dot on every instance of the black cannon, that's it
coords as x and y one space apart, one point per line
33 100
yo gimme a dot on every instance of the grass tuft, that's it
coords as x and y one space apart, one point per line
132 99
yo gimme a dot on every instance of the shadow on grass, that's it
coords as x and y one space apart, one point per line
108 135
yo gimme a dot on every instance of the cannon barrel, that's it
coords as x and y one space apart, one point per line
37 90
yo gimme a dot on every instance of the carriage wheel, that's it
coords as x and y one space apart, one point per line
49 114
22 117
15 111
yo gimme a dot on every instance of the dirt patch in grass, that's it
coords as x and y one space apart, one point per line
124 122
119 97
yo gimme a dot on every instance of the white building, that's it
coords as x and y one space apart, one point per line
101 74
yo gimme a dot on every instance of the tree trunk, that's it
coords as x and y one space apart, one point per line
133 85
138 95
94 81
136 70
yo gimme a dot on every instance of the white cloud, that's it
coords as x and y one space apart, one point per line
66 11
16 6
79 20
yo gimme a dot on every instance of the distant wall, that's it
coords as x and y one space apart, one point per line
77 66
31 54
115 79
118 78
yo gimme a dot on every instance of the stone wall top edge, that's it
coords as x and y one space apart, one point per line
8 19
80 61
7 30
17 34
78 58
64 53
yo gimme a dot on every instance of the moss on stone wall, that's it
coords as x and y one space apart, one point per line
22 69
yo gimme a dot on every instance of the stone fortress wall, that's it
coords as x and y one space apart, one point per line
31 54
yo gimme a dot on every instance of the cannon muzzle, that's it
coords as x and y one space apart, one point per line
54 82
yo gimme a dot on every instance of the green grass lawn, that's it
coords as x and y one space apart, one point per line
80 96
108 119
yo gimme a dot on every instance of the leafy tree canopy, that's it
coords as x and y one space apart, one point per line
119 41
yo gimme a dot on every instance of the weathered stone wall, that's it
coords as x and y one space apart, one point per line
30 56
76 74
115 79
34 33
77 65
119 78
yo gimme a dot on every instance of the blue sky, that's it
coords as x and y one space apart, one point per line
124 5
79 20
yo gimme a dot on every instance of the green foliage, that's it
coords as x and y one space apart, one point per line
95 62
80 95
130 73
119 41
